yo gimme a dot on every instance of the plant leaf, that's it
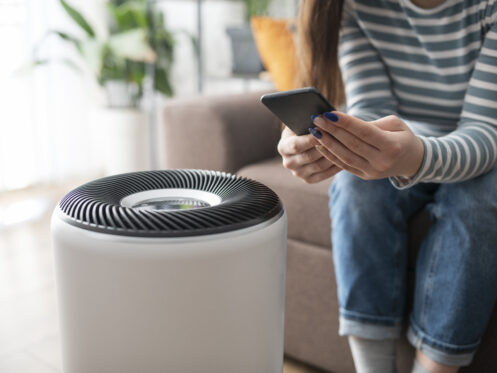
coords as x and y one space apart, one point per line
92 51
78 18
257 8
41 62
113 68
66 36
132 45
69 38
29 66
162 82
129 15
63 35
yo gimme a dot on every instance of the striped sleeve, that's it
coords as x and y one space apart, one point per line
471 149
367 83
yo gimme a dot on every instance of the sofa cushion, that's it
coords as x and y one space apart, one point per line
306 204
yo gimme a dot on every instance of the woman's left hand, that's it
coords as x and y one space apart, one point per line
371 150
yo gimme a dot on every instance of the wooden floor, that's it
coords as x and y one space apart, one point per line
29 338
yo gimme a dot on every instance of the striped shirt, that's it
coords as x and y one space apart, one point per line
434 68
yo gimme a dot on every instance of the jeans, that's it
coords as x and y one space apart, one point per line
456 268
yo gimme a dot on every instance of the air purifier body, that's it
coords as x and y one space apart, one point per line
146 285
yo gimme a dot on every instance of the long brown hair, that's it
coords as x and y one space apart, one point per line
317 48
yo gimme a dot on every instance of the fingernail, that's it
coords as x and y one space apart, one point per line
314 132
331 116
320 148
314 117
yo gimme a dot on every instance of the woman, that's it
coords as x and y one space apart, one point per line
420 79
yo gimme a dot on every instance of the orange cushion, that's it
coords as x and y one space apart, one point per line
276 46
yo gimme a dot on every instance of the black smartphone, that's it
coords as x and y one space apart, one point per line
296 107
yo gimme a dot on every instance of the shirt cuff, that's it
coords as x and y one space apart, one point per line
402 182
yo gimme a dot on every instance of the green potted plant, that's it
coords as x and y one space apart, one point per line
136 38
132 60
245 58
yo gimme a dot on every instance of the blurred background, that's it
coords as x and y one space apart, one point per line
68 68
82 87
83 82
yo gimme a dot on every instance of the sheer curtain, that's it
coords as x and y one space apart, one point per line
45 132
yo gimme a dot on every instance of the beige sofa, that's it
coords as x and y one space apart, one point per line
237 134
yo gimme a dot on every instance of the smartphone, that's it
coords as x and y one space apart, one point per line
296 107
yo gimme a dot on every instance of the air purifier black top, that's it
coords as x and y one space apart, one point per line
97 205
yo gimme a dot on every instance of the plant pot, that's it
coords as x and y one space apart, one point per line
120 94
120 138
245 56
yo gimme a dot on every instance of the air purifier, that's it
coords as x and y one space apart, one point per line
179 271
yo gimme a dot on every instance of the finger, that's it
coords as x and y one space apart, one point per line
312 168
295 161
332 158
323 175
287 132
365 131
341 152
351 141
296 144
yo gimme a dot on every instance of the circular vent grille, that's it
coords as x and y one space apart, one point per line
242 203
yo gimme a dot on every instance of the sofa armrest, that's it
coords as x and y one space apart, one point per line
221 133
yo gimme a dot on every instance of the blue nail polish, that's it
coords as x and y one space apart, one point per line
314 132
314 117
331 116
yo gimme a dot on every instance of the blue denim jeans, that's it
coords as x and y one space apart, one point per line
456 269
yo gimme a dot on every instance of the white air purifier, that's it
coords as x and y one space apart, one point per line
176 271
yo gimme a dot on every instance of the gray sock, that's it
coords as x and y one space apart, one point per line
373 356
418 368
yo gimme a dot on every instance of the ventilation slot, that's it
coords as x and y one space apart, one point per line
97 205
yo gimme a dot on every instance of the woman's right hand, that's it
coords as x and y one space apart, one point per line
302 158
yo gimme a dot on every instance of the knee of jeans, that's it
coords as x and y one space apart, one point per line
475 196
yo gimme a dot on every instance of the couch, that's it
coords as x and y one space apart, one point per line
237 134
